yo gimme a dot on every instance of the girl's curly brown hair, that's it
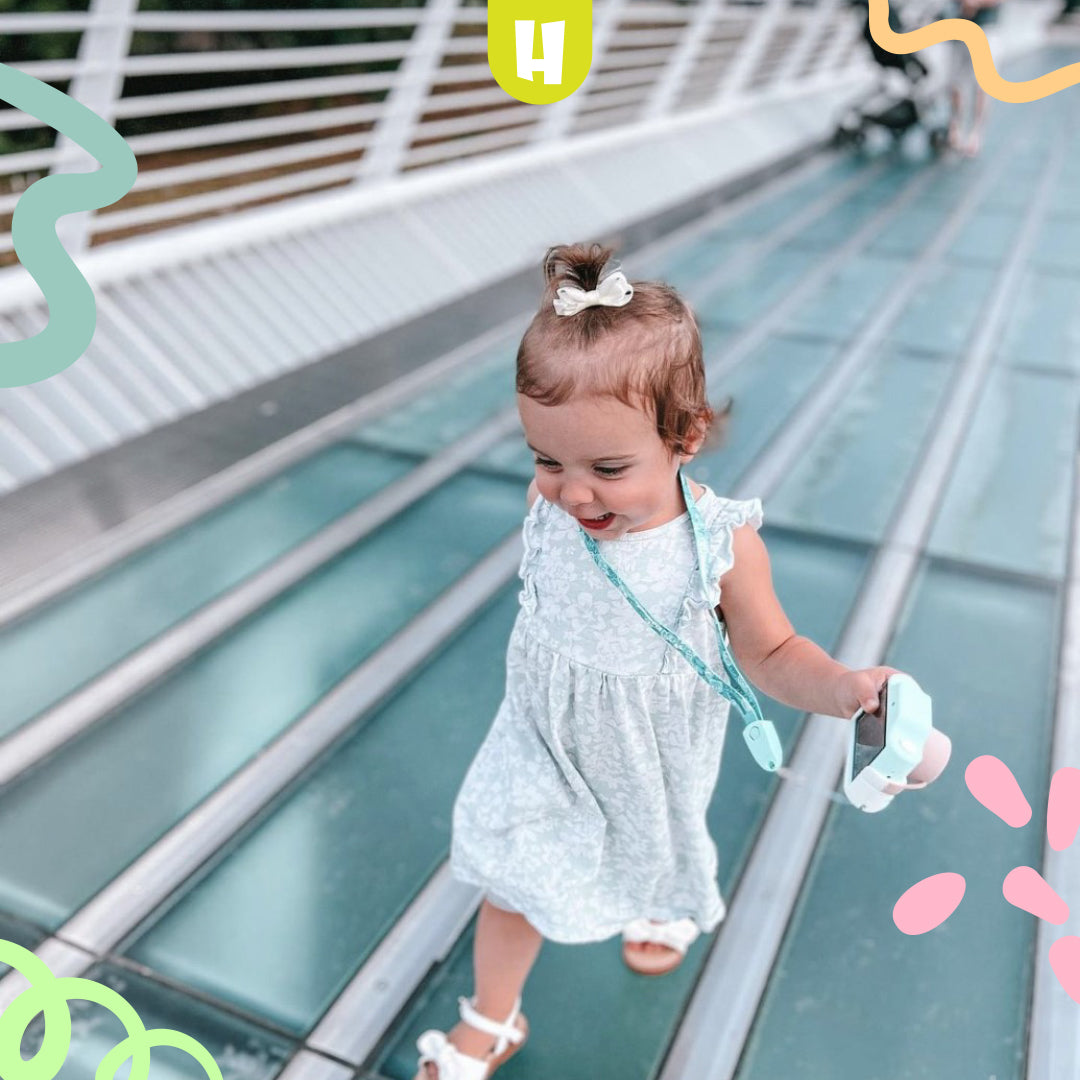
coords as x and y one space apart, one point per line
645 354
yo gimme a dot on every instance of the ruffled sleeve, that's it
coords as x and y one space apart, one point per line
726 516
532 533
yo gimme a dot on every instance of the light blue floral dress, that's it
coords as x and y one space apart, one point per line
585 806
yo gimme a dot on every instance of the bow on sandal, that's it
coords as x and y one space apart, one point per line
677 936
435 1049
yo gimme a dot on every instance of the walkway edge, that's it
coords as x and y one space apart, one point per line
740 964
1054 1034
40 586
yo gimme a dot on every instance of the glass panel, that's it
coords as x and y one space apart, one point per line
911 231
942 314
950 186
1006 503
852 997
461 404
988 236
48 655
835 228
1066 197
766 388
240 1048
840 307
774 212
391 787
1043 326
763 286
511 457
686 267
1012 190
849 479
73 823
713 339
581 1001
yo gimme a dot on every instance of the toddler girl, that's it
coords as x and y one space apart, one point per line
583 814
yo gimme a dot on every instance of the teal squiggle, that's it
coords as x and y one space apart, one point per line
50 995
72 311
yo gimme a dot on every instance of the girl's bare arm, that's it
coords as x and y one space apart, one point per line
779 662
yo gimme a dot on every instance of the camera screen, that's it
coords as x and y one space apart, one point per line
869 737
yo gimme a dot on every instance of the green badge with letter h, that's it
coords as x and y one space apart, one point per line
539 52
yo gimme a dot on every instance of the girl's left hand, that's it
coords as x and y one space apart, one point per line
861 689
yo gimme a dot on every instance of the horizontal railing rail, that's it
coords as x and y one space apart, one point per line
287 120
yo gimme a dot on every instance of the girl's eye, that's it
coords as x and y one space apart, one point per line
610 470
547 464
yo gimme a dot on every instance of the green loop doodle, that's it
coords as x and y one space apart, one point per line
50 995
72 311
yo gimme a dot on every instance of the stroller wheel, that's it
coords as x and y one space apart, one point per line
846 135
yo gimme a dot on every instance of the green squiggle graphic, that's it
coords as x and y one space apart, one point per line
50 995
72 311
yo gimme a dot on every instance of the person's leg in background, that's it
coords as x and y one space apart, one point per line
974 141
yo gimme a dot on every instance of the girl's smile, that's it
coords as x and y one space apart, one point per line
597 523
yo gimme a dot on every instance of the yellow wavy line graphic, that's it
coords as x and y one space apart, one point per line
982 60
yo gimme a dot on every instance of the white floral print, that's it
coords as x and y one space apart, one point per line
585 806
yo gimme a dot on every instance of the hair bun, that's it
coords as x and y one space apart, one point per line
580 265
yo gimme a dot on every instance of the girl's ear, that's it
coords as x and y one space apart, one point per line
693 442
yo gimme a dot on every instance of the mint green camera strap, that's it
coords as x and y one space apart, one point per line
759 733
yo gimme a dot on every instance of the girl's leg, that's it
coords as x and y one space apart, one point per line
505 949
974 143
955 108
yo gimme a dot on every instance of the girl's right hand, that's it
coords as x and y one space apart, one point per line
861 689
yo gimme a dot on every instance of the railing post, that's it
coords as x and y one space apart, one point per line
811 36
752 50
558 117
678 68
98 84
405 103
841 42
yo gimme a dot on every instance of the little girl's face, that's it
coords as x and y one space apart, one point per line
603 463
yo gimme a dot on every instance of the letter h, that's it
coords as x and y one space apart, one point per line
551 36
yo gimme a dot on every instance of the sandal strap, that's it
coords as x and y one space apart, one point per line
677 935
435 1049
506 1032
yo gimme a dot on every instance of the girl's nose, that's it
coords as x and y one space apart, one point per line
575 493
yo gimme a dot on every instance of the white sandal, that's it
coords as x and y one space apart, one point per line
678 936
435 1049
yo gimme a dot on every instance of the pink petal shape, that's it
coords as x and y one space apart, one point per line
928 903
991 781
1027 889
1065 960
1063 808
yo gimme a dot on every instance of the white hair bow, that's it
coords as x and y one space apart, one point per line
613 291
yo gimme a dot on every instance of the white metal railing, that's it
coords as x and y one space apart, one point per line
290 121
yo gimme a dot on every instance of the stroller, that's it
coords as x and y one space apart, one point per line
907 96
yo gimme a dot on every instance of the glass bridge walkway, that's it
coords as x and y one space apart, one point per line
229 758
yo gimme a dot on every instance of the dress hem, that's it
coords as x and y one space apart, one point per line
551 931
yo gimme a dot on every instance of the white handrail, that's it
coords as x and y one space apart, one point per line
435 102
